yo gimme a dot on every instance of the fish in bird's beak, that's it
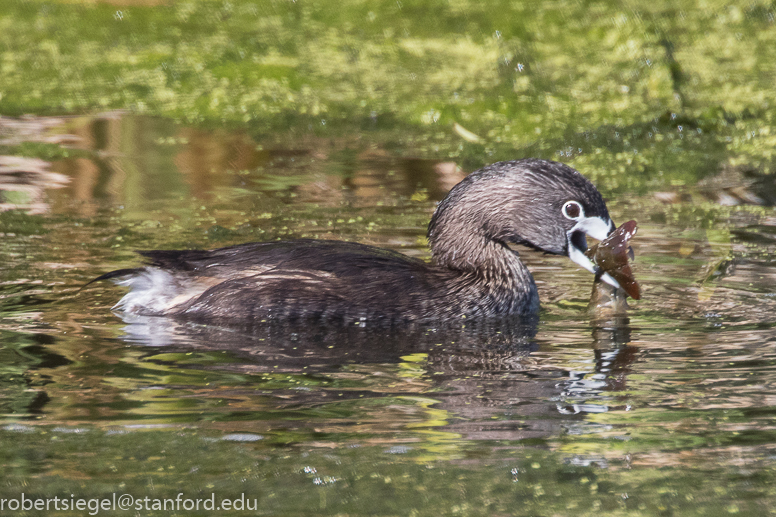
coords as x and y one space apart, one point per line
598 228
611 258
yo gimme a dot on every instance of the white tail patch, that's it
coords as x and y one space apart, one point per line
155 291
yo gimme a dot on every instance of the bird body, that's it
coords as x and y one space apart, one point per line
473 273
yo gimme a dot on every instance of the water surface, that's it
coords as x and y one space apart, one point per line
669 410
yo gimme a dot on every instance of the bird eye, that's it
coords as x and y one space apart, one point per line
573 210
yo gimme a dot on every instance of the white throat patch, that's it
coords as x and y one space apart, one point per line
598 229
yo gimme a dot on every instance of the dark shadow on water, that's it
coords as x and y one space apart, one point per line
297 344
485 375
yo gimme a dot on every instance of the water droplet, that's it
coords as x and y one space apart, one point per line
399 449
242 437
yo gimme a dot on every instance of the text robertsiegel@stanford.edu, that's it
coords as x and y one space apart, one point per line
116 501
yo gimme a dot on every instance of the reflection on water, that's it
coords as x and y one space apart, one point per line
23 184
686 381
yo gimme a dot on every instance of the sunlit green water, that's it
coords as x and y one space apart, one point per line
668 411
341 123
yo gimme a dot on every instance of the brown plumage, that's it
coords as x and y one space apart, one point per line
473 272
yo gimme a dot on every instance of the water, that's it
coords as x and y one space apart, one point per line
667 411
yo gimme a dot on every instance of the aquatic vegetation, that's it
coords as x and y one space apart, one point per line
203 123
565 81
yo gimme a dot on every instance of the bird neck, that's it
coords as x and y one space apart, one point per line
494 273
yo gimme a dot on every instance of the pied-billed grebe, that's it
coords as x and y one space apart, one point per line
537 203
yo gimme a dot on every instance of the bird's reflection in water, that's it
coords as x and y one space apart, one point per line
486 375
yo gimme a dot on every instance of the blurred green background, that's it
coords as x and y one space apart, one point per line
204 123
654 88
